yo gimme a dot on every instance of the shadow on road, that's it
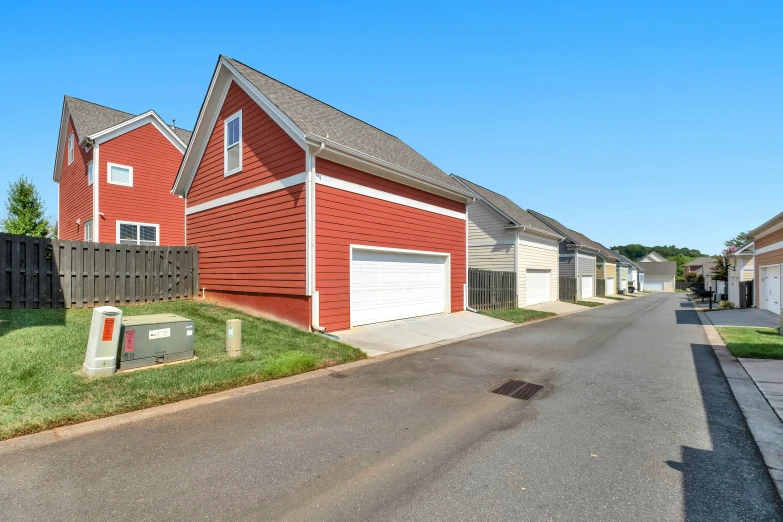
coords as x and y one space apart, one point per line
686 317
730 481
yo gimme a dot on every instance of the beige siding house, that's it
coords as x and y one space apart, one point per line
742 267
659 275
503 236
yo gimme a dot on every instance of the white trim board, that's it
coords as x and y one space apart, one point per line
135 123
363 190
260 190
534 244
769 248
504 242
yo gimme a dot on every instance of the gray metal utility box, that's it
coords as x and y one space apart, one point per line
153 339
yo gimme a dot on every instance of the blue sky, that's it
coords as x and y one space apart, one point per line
655 124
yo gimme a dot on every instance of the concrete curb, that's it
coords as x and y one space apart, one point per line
62 433
764 424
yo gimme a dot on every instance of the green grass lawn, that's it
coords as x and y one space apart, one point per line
755 343
517 315
588 303
42 351
612 297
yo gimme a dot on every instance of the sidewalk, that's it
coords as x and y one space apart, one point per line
768 376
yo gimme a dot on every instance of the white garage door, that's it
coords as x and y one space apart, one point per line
653 286
390 285
772 288
587 286
538 285
610 286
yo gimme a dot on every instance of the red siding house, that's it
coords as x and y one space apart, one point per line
114 172
309 215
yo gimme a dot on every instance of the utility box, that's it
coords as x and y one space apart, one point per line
101 357
155 339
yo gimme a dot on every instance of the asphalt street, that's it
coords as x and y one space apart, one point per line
635 422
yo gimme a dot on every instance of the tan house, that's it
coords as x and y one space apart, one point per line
659 275
503 236
742 265
768 257
653 257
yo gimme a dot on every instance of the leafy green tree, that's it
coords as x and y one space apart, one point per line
25 210
720 271
681 260
634 252
738 240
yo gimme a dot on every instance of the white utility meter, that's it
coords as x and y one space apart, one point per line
101 358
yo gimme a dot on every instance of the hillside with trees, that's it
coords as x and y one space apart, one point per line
635 251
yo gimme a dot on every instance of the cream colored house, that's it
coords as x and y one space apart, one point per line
741 268
503 236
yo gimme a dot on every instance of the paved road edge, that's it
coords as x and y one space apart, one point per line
764 424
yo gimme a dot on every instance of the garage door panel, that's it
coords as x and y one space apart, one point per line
587 286
538 286
610 286
387 285
653 286
772 289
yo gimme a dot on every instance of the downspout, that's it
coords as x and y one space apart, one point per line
315 310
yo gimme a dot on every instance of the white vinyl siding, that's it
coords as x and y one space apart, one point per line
543 257
488 257
484 224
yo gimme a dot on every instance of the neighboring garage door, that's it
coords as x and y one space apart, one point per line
610 286
653 286
391 285
587 286
538 285
772 288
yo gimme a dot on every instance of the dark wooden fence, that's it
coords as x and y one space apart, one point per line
567 287
37 272
746 294
491 289
684 285
600 287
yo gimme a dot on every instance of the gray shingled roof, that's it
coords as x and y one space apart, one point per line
624 259
700 261
574 236
508 207
317 118
659 268
89 118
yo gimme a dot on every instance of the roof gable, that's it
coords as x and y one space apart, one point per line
575 237
91 120
516 214
312 123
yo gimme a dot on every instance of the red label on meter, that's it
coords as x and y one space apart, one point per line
130 339
108 329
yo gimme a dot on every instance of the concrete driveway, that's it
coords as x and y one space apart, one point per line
378 339
750 317
558 307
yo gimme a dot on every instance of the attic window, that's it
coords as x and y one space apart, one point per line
232 152
70 149
119 174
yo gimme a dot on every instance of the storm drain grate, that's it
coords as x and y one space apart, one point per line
518 389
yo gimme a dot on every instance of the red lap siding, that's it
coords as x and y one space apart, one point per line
253 245
75 195
268 153
344 218
155 161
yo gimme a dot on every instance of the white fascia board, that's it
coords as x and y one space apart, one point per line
58 155
259 190
364 190
356 159
133 124
533 230
770 248
770 226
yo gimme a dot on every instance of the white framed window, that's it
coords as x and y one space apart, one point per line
119 174
70 149
129 233
232 148
88 229
89 173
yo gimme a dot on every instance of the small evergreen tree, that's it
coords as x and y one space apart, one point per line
25 210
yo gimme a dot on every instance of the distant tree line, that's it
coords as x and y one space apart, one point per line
635 251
